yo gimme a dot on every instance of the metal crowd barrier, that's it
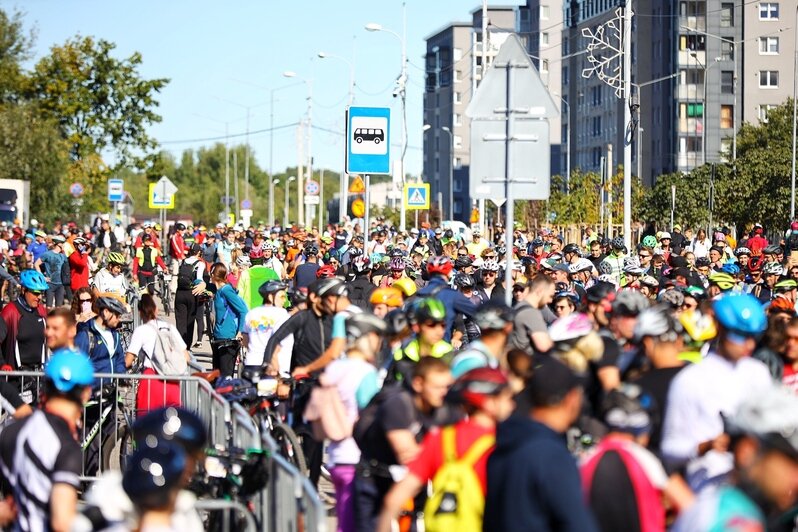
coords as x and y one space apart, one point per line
288 503
227 514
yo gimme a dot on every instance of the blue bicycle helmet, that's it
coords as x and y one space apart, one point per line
731 268
68 370
171 424
741 314
152 473
33 280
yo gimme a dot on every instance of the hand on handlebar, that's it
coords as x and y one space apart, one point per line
300 373
198 289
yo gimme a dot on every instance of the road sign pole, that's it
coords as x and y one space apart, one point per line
627 122
321 200
508 228
367 197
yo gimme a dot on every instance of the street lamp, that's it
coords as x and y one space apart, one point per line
344 182
285 205
272 182
401 83
567 145
451 171
794 115
300 184
705 68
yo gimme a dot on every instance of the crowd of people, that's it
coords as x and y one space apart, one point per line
623 389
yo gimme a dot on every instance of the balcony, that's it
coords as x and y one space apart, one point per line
697 23
690 92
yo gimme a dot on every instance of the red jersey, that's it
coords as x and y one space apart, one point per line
790 378
430 457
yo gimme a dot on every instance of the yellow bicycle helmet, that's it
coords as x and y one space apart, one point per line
406 285
387 296
722 280
116 258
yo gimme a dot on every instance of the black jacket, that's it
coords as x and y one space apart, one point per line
312 335
360 291
533 482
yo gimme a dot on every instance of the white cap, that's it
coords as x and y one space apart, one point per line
34 222
665 234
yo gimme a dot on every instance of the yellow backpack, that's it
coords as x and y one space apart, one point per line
457 502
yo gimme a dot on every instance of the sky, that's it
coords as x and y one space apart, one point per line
217 52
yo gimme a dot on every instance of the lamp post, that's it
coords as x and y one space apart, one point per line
345 178
272 182
401 83
301 181
285 205
567 145
794 116
451 172
705 68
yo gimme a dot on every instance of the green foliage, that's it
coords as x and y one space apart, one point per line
35 153
15 48
102 103
581 204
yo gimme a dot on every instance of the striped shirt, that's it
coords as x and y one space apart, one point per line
36 453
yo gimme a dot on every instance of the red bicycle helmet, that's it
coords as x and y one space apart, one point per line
440 265
474 386
325 272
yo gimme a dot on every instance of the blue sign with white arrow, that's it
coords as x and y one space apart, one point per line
368 140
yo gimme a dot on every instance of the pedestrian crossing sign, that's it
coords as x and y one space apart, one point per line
416 196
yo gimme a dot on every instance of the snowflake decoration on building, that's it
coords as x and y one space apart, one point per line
605 52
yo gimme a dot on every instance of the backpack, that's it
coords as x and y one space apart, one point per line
366 423
186 274
167 359
457 501
327 413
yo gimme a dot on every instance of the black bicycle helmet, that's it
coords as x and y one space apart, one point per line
570 248
171 424
599 291
702 262
271 287
396 322
152 473
311 249
628 409
772 249
331 286
361 264
462 262
112 304
463 280
617 243
297 296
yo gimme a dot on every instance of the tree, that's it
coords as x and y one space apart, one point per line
692 193
15 48
101 103
35 153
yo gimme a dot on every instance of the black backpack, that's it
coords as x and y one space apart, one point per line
366 424
186 274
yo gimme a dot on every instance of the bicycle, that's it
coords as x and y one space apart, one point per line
258 395
106 420
164 292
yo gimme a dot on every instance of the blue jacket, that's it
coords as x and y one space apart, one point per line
89 340
230 311
454 301
533 482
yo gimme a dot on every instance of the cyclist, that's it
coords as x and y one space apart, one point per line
100 339
490 287
79 264
763 435
692 434
177 251
51 264
361 288
62 327
261 322
24 325
439 270
230 311
613 263
190 285
495 321
306 273
529 328
384 300
623 481
428 318
146 261
110 281
40 458
356 380
487 400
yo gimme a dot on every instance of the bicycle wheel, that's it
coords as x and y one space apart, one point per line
289 446
166 297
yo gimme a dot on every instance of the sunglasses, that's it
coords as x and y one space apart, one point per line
85 300
489 273
642 255
35 293
433 324
490 257
462 255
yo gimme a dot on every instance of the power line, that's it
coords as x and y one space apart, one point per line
230 136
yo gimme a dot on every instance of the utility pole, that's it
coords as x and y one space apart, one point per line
627 120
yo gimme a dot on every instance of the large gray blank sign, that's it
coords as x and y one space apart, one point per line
509 115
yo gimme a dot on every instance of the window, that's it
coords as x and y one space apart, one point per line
763 112
458 98
595 95
457 120
458 186
565 75
458 142
769 79
768 45
694 144
768 11
726 51
596 126
596 156
544 39
693 42
457 54
693 110
727 82
458 75
544 12
726 116
726 15
544 66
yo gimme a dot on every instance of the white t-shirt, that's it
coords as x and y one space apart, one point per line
106 282
145 336
259 325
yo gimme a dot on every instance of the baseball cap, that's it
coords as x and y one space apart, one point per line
561 268
551 380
